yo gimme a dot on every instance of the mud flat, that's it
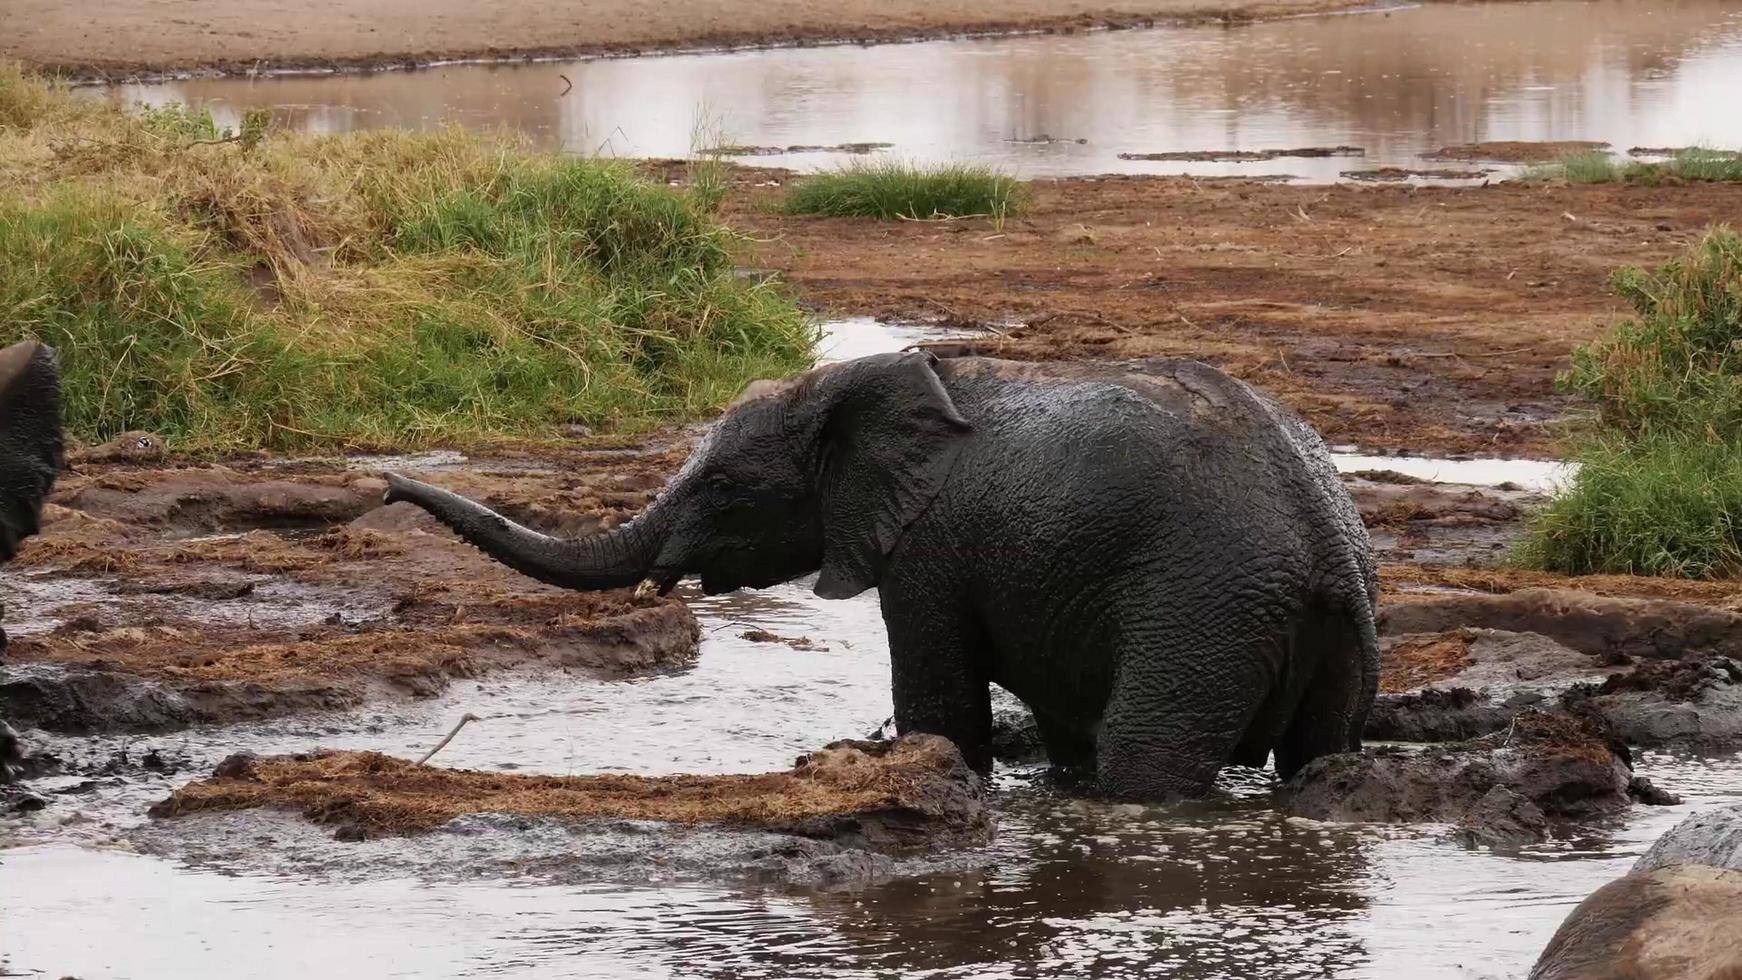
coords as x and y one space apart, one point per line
1427 319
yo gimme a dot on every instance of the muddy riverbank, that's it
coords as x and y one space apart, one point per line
141 37
1432 320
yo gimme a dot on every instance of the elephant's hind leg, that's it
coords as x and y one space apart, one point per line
1330 713
1180 708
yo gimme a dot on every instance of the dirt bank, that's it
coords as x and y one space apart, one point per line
131 37
913 793
1428 319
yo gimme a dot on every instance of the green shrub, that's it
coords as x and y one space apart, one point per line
1659 485
890 190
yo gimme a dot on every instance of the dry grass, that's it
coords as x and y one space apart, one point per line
385 795
1420 661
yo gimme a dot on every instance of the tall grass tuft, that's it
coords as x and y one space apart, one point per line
1659 488
372 290
889 190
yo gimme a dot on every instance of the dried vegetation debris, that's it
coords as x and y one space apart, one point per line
913 792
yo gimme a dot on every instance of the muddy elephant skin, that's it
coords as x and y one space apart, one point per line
1160 561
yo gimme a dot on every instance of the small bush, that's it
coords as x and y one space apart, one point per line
384 289
1668 505
1659 485
890 190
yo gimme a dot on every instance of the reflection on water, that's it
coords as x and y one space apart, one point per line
1399 83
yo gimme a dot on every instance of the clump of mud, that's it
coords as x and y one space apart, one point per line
907 794
1514 151
1243 156
1504 788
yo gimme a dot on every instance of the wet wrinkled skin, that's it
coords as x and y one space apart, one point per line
1161 562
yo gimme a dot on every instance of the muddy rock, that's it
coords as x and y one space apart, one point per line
1449 714
1711 837
914 793
1467 682
1502 818
76 701
217 498
1598 626
1677 921
1694 704
1564 767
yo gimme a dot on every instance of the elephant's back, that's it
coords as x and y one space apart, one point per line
1214 457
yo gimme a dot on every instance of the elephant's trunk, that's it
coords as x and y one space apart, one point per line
613 560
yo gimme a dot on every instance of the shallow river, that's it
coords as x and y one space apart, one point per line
1397 83
1218 889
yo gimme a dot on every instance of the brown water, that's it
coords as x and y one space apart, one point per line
1398 83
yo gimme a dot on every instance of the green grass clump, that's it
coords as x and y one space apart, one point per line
1659 485
1590 168
373 290
1598 167
890 190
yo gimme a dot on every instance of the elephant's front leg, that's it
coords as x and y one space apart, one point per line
939 677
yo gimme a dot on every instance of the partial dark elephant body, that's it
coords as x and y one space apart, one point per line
31 444
1163 566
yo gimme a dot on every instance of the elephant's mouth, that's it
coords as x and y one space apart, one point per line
662 580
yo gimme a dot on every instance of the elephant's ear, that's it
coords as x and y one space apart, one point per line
890 440
31 441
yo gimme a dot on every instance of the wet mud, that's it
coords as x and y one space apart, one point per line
1506 788
163 596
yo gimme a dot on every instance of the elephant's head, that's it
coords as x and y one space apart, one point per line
31 441
823 471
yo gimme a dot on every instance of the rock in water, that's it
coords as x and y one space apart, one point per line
1713 837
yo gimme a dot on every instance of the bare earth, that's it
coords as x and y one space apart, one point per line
1431 320
121 37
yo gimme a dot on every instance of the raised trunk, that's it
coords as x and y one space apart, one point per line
613 560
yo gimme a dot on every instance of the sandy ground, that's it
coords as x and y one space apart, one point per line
122 37
1431 320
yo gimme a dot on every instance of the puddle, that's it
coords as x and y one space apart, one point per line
1223 888
1541 475
1399 84
38 603
861 336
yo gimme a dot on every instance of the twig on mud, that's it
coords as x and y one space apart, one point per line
571 85
1282 356
468 716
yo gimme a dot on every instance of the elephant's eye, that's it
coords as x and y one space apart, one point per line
720 481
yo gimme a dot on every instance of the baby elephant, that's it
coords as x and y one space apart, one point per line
1163 565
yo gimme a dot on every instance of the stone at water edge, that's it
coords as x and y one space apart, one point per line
1710 837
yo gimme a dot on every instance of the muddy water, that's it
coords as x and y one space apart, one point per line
1224 888
1398 83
